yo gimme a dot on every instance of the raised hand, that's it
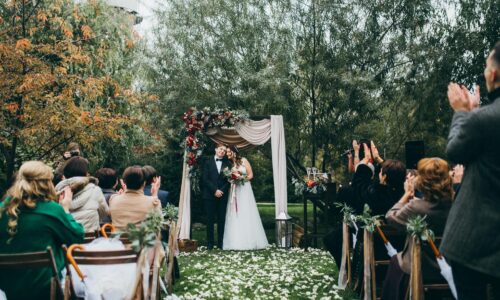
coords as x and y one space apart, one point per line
124 187
410 185
457 174
155 186
368 154
376 155
355 146
474 99
458 101
65 198
461 99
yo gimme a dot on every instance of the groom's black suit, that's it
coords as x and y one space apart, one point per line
215 207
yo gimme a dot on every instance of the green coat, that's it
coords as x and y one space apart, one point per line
45 225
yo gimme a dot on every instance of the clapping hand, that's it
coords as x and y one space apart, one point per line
376 155
155 186
368 154
461 99
457 173
65 198
410 186
124 187
355 146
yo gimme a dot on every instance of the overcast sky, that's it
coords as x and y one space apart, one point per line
146 8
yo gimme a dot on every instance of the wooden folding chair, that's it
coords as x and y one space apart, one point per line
42 259
419 287
76 255
385 233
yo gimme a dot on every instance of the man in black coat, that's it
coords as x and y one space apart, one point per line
471 240
214 188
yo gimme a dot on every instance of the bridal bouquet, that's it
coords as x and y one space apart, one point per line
234 176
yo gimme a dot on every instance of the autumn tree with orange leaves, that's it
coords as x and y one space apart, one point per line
61 78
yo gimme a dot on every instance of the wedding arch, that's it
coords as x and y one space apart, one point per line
230 128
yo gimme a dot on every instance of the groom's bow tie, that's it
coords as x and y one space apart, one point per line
218 159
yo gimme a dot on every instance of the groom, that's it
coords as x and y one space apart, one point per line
215 188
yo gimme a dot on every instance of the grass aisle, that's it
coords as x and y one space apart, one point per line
266 274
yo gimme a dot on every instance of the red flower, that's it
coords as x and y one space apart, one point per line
189 141
311 183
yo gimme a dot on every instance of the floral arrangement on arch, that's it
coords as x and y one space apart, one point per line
195 122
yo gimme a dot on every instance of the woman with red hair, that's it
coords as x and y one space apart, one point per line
435 184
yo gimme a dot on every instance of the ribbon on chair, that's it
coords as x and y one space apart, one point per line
368 266
416 284
234 199
345 265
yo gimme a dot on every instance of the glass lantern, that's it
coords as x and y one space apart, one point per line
284 231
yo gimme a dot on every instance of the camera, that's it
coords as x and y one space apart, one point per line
74 153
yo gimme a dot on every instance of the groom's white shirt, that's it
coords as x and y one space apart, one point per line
218 163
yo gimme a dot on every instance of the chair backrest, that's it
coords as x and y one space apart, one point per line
40 259
396 238
90 236
105 257
426 285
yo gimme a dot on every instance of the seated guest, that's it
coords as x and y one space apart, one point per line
150 174
381 195
132 206
435 184
107 181
30 221
89 205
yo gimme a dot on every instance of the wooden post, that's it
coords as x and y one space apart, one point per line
416 285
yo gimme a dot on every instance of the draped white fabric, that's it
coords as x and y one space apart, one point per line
185 203
279 163
255 132
244 135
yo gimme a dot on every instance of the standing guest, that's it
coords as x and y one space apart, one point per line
133 206
72 150
107 181
31 220
434 182
471 242
150 174
89 205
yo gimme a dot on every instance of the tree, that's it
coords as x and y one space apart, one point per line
59 79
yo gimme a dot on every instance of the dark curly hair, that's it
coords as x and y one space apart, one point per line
434 180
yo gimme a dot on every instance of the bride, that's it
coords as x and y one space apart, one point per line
243 230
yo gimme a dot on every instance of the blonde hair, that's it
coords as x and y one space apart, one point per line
33 184
434 180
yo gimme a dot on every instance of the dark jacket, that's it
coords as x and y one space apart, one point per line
379 197
212 180
436 213
471 236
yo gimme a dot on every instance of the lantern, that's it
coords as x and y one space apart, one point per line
284 231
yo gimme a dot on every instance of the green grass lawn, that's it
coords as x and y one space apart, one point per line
267 215
265 274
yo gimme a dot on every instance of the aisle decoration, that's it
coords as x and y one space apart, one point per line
266 274
418 229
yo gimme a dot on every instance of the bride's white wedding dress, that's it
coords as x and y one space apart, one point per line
243 230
